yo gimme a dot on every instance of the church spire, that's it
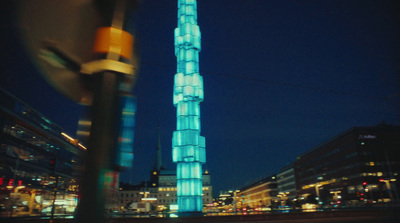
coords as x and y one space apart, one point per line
159 163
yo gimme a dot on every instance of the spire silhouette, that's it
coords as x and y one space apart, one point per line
158 162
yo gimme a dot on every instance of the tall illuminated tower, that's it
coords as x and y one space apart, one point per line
188 146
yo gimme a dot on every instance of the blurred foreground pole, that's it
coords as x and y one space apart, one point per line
113 45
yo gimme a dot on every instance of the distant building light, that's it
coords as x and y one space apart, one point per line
83 133
83 147
67 136
83 122
173 207
367 137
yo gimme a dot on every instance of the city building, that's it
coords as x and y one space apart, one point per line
161 191
359 166
261 195
38 162
167 187
188 150
226 202
139 198
286 183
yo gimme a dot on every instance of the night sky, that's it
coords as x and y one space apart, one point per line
280 77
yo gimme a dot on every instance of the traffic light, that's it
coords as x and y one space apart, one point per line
52 165
11 182
364 184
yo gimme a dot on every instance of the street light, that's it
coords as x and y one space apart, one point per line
283 196
235 199
387 183
336 195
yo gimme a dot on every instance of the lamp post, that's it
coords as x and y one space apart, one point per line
113 45
336 195
317 185
48 25
388 187
235 200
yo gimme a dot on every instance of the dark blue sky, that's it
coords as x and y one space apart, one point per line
280 77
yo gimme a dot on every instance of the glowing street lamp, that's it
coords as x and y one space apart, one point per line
336 195
387 183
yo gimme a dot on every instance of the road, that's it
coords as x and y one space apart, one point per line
339 216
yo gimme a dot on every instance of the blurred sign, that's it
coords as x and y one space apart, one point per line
126 131
68 26
59 36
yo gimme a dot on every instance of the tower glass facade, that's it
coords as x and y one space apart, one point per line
188 145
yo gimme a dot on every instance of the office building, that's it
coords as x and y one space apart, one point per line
286 183
359 166
38 162
259 195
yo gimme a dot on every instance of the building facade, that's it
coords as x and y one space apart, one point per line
259 195
357 167
286 183
160 191
167 187
38 162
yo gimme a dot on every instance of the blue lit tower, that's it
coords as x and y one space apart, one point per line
188 146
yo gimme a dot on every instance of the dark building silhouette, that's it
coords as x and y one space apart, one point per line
359 166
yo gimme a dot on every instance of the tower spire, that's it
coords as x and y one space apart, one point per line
159 163
188 146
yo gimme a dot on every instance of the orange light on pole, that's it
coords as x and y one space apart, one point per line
114 40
